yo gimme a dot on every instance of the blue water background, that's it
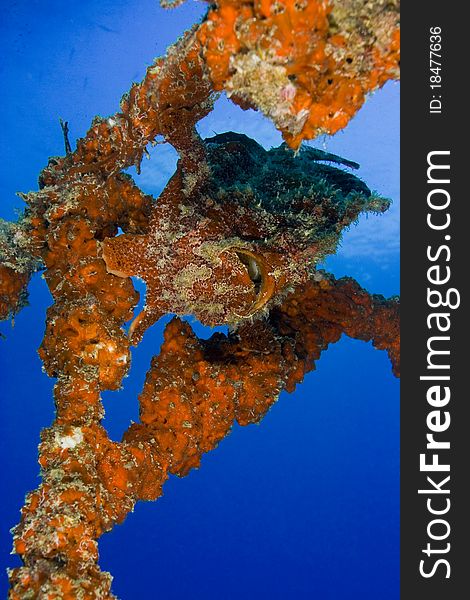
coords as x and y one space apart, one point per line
304 505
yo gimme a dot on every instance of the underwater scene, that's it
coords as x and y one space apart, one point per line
199 233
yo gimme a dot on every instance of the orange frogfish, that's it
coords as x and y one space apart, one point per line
234 232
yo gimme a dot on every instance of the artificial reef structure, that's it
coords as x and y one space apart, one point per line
234 239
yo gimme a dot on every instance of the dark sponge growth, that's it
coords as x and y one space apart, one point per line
281 179
305 190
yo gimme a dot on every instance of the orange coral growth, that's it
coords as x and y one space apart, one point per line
174 95
324 310
239 377
12 287
221 380
307 65
16 266
234 238
91 483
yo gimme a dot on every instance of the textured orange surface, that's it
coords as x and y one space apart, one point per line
12 285
90 482
195 389
16 266
307 64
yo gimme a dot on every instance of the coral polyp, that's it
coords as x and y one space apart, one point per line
235 238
